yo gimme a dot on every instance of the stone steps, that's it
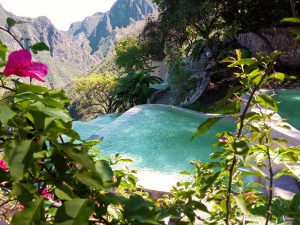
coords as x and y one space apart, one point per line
165 98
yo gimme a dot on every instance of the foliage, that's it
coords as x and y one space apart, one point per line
247 15
133 88
132 55
52 174
249 152
42 151
57 178
191 24
107 65
154 38
180 79
91 94
198 25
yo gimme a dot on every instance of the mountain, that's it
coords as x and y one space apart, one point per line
67 58
121 15
85 44
86 26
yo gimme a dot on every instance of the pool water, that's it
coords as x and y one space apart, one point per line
87 129
289 106
156 137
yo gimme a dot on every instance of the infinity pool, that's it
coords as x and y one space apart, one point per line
157 138
289 106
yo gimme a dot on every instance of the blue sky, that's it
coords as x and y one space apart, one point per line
61 12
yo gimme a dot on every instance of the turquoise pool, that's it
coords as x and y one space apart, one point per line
289 106
87 129
157 137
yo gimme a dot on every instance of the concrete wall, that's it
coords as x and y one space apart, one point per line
279 38
161 69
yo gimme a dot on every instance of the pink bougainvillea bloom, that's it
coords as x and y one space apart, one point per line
223 140
3 166
19 63
46 194
21 207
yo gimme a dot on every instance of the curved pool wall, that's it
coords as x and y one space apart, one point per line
156 137
289 106
87 129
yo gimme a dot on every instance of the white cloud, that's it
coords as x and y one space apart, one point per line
61 12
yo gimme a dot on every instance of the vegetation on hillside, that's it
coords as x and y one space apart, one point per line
91 95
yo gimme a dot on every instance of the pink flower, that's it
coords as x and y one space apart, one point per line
19 63
223 140
3 166
46 194
21 207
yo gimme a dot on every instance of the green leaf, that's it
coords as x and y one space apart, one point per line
91 178
64 192
3 51
6 114
140 211
258 170
19 155
250 116
205 126
40 46
55 113
74 212
210 181
267 101
291 20
200 206
255 76
229 60
60 163
79 156
240 147
31 88
294 209
278 76
247 62
103 168
33 214
25 192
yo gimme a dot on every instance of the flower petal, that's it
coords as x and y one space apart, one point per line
38 68
17 59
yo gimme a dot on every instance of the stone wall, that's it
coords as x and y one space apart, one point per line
278 38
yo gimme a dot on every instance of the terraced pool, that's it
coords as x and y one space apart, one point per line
157 137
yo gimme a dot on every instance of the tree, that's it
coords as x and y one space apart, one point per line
91 94
200 24
132 54
195 24
133 88
250 16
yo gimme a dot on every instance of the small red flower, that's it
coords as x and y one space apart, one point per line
223 140
21 207
46 194
19 63
3 166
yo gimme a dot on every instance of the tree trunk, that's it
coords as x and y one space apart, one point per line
293 7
